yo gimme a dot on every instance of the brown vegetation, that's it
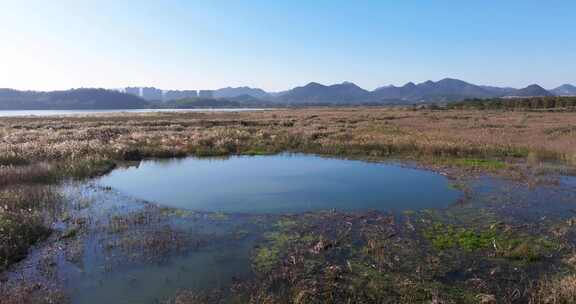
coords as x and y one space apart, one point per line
364 131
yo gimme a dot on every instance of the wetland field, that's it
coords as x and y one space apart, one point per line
311 205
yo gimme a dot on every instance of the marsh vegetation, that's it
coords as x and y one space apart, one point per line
509 239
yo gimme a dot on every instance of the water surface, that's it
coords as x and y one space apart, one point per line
19 113
282 184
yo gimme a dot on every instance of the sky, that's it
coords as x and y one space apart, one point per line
277 45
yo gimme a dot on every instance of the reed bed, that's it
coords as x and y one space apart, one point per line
346 131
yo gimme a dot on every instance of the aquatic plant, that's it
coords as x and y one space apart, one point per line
25 215
556 290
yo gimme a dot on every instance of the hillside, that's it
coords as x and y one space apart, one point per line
230 92
71 99
344 93
443 90
532 91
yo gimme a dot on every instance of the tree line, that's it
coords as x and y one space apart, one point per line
520 103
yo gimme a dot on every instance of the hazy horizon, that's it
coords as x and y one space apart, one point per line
269 91
278 46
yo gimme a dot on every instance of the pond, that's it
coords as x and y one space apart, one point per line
282 184
148 230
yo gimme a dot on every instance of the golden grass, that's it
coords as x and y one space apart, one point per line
340 131
561 290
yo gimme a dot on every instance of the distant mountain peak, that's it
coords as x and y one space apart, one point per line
313 92
532 90
231 92
565 90
347 84
315 84
450 79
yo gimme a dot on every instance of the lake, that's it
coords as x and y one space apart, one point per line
18 113
281 184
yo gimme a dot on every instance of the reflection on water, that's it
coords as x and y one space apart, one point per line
135 252
281 184
203 270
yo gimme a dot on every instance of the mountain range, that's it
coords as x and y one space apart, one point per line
445 90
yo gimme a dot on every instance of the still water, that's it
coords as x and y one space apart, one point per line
20 113
281 184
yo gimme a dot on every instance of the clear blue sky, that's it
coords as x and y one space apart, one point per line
276 45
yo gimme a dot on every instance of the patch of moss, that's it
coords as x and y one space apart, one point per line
479 164
265 258
257 151
274 248
515 246
447 236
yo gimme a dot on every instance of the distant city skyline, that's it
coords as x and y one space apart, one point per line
275 46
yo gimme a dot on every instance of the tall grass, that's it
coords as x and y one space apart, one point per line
370 132
26 213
